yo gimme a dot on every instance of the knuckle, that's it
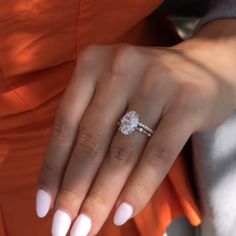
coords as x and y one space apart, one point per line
95 198
142 189
49 171
86 144
69 197
61 131
120 156
122 59
48 175
69 193
157 156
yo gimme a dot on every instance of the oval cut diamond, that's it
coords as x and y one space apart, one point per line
129 122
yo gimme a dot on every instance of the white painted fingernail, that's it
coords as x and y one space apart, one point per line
123 213
61 223
43 202
82 226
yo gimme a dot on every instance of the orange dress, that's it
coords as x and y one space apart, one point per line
39 43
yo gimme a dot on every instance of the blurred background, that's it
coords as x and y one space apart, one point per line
186 14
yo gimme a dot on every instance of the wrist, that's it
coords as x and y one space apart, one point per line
214 46
220 36
217 36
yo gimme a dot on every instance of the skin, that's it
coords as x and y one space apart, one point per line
90 166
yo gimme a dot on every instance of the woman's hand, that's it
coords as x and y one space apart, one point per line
90 165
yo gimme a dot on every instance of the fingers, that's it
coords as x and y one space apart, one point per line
168 140
94 136
74 103
123 155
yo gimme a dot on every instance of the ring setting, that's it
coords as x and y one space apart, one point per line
130 122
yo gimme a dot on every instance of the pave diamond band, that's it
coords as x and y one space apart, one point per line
130 122
144 129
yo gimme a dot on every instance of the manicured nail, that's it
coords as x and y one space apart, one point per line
43 202
81 226
123 213
61 223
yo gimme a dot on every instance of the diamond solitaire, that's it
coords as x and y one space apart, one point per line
130 122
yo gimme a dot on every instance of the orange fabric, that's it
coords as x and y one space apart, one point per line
40 41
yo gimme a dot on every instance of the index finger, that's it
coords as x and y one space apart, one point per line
72 107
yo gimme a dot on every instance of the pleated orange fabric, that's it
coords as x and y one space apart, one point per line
39 43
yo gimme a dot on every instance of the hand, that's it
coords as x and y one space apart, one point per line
90 165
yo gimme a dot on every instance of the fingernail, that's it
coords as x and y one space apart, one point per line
81 226
123 213
61 223
43 202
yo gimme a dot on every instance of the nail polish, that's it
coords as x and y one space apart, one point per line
61 223
43 202
123 213
82 226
